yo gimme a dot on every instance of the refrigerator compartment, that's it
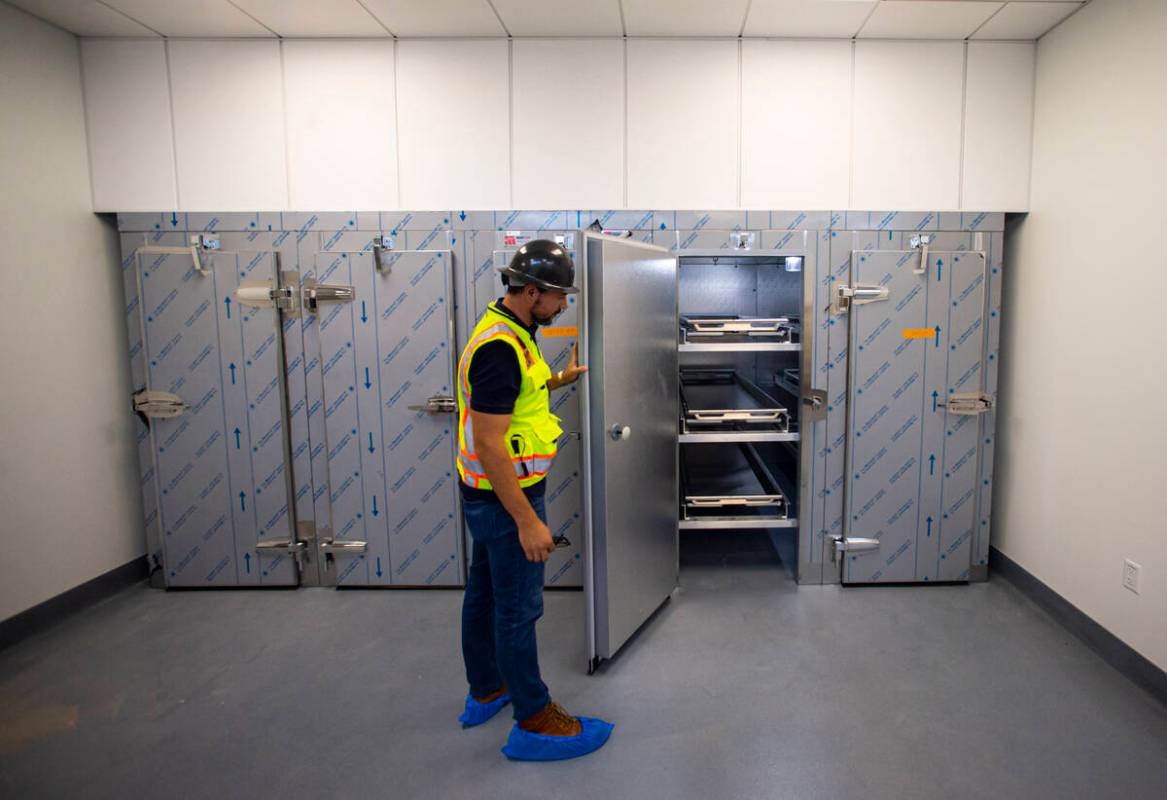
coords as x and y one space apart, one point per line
720 481
697 328
723 400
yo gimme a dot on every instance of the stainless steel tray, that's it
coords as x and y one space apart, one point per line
721 399
722 480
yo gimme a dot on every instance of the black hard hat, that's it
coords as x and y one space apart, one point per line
541 263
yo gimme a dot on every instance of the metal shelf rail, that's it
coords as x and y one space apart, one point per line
728 486
709 333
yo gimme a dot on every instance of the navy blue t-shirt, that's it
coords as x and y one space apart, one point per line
495 379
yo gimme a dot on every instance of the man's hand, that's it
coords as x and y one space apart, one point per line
535 539
570 373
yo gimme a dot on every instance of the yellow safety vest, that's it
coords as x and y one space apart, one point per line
533 435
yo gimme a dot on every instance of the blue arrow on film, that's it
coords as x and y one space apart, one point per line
929 526
368 383
237 432
939 264
242 504
247 561
937 335
174 218
932 458
371 450
379 557
935 397
461 216
227 302
375 505
364 318
231 367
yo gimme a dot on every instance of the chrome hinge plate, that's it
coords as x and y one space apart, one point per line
382 245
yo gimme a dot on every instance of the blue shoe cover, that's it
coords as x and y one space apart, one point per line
477 713
526 746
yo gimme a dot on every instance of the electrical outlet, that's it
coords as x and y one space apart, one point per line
1130 575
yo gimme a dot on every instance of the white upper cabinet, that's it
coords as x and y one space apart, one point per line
998 126
907 125
229 125
453 110
796 116
127 119
683 118
568 123
342 127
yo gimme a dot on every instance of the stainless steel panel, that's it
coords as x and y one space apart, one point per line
630 340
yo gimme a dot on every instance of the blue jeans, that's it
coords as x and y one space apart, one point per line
503 601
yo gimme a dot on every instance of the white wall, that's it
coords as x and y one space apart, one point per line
587 123
68 486
1082 441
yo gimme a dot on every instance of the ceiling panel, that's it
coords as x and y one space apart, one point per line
927 19
1025 20
684 17
310 18
436 17
560 17
819 18
84 17
191 17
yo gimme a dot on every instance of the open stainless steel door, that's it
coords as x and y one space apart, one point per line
631 408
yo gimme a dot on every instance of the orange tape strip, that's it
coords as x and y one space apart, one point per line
919 333
567 331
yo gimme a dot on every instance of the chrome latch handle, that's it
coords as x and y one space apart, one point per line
967 404
154 404
437 404
343 546
316 293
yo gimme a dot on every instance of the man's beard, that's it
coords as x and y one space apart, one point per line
544 320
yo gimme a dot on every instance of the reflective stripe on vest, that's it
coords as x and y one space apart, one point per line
533 433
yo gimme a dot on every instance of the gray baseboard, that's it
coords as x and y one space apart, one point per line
1113 650
52 611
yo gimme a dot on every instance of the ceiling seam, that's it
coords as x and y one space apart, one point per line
745 18
376 19
623 24
498 16
245 13
866 19
986 22
127 16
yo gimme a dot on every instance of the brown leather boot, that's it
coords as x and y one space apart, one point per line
552 720
490 698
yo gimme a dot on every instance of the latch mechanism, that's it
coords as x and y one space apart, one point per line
314 294
815 402
851 544
438 404
967 404
847 296
158 405
264 294
920 242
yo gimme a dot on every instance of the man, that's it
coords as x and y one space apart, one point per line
507 439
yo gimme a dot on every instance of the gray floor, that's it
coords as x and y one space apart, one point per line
744 686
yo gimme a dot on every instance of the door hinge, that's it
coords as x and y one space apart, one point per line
438 404
314 294
967 403
381 247
158 405
920 242
846 296
264 294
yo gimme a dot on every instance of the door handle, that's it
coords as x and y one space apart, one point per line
620 432
437 404
316 293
